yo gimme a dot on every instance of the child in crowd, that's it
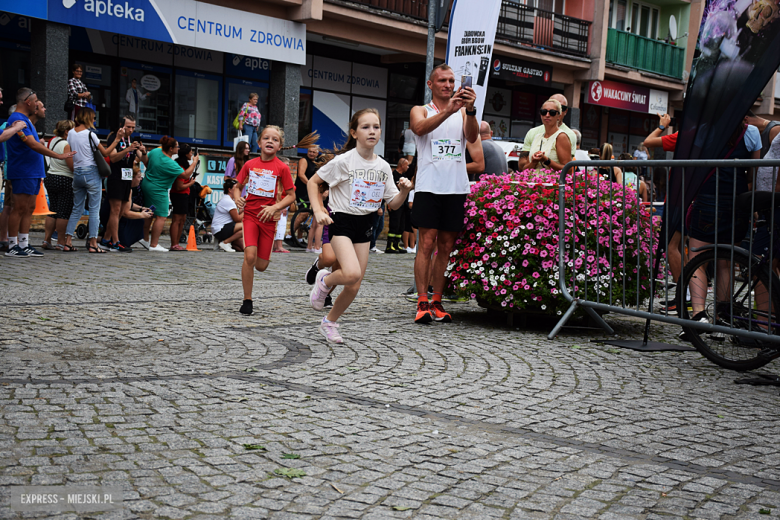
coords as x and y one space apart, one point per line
359 181
262 207
281 224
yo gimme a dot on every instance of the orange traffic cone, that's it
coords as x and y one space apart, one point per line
41 206
192 242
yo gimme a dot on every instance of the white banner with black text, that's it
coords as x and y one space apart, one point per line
470 44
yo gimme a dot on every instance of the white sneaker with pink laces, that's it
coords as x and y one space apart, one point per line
330 330
319 291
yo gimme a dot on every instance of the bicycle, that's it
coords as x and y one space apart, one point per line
304 216
754 298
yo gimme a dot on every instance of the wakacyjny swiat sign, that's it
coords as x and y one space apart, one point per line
184 22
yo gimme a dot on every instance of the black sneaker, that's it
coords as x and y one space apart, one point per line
17 252
311 274
32 252
246 308
328 302
121 248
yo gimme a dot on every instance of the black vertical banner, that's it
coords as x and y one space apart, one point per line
737 53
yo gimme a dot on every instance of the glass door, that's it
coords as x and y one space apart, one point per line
196 108
146 89
237 93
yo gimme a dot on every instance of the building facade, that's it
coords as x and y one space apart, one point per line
315 62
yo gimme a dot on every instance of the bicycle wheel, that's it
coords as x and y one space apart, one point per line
302 218
732 352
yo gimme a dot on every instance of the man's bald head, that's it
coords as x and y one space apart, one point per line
560 98
485 132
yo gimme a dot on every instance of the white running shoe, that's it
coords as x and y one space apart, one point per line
319 291
317 251
144 243
226 247
331 331
411 249
158 248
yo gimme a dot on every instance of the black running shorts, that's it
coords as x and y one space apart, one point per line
357 228
440 212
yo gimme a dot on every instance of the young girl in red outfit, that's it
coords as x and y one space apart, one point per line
261 177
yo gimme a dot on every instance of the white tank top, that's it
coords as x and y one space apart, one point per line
441 157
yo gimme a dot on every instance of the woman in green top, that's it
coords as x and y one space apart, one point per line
161 172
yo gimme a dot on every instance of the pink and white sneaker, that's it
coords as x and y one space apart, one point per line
319 291
331 331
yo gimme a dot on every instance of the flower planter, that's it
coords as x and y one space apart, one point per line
507 256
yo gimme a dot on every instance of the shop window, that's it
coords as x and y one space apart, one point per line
238 91
14 74
196 107
403 87
153 86
397 122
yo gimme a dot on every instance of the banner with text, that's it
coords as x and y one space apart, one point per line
470 44
521 71
185 22
628 97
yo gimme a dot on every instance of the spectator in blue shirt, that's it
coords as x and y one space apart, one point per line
25 172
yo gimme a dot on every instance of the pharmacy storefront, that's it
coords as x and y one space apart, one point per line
194 64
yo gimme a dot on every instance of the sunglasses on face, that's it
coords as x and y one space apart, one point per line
564 108
544 112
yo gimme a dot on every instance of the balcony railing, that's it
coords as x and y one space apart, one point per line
638 52
545 29
412 8
517 23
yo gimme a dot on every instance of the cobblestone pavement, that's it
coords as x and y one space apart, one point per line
137 371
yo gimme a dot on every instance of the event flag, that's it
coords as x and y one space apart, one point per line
470 40
738 51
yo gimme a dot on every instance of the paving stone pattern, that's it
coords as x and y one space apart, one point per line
138 371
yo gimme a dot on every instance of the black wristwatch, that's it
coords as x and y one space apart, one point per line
547 162
661 127
471 112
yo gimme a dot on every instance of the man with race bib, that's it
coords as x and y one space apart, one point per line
441 129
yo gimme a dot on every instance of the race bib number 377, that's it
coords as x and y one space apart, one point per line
446 150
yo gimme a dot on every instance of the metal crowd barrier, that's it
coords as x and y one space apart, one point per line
608 252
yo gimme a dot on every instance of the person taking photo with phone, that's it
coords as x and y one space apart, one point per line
441 129
118 185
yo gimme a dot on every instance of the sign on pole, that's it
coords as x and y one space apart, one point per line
470 44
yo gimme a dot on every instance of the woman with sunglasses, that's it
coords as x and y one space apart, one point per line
550 149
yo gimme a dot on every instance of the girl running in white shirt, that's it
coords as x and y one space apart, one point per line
359 181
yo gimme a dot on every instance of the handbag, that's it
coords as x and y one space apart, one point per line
241 137
236 122
102 166
69 106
